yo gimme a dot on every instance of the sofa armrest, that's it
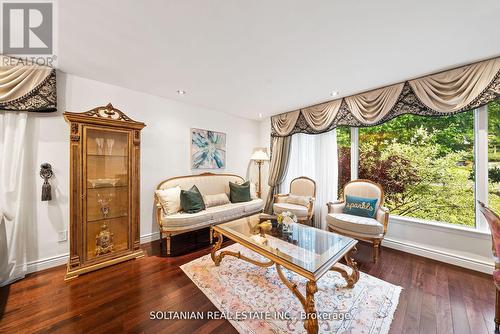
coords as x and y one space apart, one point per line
335 207
383 216
158 209
279 198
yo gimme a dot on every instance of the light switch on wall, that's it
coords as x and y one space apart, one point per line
63 236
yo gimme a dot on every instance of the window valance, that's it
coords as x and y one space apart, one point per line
443 93
26 87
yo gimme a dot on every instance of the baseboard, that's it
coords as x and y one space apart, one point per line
419 250
150 237
62 259
439 255
47 263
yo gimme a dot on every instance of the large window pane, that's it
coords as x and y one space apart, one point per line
494 156
425 165
344 156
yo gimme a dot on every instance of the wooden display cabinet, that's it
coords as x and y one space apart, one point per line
104 189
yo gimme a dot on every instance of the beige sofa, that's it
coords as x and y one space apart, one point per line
208 184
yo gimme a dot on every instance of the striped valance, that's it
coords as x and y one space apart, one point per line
26 87
443 93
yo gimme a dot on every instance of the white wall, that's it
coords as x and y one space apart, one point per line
446 243
442 242
165 153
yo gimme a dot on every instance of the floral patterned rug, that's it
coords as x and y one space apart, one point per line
255 300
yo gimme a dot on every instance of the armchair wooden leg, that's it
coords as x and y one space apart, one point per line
376 249
168 244
163 250
497 310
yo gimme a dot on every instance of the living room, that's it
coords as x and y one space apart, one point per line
235 167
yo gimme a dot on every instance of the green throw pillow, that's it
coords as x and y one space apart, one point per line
192 200
239 192
360 206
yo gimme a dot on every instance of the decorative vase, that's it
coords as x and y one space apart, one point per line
100 145
109 145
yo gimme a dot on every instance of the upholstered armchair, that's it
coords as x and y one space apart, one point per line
363 228
300 200
494 223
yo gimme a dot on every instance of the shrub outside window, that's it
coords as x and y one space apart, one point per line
425 165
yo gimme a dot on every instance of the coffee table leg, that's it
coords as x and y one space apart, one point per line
311 322
308 303
216 247
353 277
217 258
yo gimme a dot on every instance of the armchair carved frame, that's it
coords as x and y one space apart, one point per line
382 215
310 206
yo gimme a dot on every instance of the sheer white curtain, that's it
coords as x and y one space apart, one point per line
13 231
315 156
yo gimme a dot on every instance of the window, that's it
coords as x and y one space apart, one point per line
494 156
425 165
344 156
309 155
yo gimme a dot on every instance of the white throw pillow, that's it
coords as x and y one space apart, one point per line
215 200
299 200
170 199
253 190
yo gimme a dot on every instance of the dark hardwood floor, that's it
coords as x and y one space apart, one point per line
436 297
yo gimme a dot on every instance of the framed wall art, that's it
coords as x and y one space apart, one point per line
208 149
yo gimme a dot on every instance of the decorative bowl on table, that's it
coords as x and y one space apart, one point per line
265 227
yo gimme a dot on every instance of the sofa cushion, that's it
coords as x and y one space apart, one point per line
223 213
191 200
299 200
239 192
299 210
182 220
216 200
355 235
210 216
357 224
169 199
254 205
253 190
364 189
360 206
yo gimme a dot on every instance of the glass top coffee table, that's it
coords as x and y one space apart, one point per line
305 250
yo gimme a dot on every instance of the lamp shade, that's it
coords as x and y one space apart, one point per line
259 153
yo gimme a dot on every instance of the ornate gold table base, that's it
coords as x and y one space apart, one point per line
308 302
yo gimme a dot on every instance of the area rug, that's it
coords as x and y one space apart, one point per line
255 300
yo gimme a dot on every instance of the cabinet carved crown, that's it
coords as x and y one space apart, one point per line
108 112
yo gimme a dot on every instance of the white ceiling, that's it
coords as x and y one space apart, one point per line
248 57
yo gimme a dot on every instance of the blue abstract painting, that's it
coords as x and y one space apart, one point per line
208 149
